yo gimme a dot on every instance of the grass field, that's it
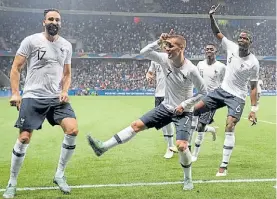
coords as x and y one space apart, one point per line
141 160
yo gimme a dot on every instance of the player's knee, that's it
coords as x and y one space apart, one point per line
200 127
138 126
182 145
230 124
73 131
24 137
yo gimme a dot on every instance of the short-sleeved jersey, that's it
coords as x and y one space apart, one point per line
45 64
259 86
179 82
160 79
212 74
239 70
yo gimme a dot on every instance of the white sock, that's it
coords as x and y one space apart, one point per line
229 144
209 128
121 137
198 141
185 161
190 137
67 151
18 156
168 135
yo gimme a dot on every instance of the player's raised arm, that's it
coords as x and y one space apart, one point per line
199 84
150 52
214 25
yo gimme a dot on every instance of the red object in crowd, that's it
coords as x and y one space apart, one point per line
137 20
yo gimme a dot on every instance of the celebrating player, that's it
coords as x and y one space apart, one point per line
242 67
178 102
212 72
156 69
48 58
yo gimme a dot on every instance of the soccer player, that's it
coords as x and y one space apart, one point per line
259 90
180 76
242 67
48 57
156 69
212 72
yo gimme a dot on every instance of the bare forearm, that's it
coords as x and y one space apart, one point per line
14 80
66 83
253 97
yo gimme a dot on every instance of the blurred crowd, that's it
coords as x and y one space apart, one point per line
228 7
127 35
128 75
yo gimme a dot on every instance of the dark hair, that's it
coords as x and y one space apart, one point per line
249 34
211 44
49 10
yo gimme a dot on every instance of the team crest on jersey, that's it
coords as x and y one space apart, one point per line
242 66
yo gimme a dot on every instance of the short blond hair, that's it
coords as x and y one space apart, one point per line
181 40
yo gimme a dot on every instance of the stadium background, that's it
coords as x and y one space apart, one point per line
107 36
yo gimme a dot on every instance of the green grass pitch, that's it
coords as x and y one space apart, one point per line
141 159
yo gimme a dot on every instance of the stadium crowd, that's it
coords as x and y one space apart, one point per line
230 7
127 35
124 75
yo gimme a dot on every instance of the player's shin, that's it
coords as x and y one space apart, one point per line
18 156
229 144
185 161
67 150
198 141
121 137
168 135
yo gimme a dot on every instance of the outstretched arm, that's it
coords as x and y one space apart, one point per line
214 25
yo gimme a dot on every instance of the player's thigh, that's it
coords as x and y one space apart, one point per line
157 117
235 106
62 112
214 99
207 118
183 125
32 114
158 101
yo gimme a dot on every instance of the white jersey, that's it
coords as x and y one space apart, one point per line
179 82
45 64
212 74
160 79
259 86
239 71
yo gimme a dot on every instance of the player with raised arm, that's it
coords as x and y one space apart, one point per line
212 72
181 75
48 79
167 130
242 67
